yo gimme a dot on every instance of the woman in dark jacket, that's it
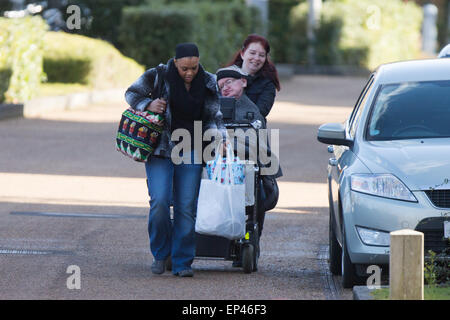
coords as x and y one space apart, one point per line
263 82
188 94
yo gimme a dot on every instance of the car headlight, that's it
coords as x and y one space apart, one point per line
374 237
382 185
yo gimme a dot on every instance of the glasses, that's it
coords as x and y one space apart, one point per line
229 82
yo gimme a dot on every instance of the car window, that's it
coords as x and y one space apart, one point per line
411 110
361 95
361 106
358 102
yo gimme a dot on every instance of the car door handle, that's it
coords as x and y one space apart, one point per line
332 162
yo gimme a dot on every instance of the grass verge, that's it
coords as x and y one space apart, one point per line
430 293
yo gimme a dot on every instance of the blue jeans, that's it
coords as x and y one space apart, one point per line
178 183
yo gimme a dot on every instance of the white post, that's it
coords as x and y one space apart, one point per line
406 265
315 6
429 29
263 6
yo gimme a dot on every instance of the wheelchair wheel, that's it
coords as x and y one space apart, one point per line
248 258
255 250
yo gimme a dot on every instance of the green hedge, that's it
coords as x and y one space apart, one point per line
149 33
21 54
67 69
104 19
363 33
5 77
71 58
279 24
155 43
5 5
437 268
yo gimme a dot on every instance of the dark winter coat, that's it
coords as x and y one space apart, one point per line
261 91
244 106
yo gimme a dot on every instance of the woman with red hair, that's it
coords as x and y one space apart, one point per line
253 58
262 84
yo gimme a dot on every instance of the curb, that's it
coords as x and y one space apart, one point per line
9 111
43 105
363 293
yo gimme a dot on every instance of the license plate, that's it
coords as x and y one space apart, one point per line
447 229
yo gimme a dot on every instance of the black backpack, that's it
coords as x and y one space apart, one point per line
269 193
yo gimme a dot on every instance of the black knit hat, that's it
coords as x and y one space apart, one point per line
231 72
186 50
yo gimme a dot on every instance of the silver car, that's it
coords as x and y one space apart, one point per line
445 52
390 167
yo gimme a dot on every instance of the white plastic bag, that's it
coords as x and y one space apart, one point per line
221 207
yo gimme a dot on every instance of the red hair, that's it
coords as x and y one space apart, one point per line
268 69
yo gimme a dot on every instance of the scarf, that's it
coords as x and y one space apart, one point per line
186 106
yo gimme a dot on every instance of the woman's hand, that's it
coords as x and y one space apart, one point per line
224 150
225 145
157 106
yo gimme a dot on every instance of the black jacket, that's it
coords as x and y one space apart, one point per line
261 91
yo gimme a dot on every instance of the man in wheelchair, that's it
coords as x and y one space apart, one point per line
232 82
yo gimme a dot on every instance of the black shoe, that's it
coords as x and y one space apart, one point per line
159 266
185 273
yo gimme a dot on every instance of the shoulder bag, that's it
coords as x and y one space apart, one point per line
139 132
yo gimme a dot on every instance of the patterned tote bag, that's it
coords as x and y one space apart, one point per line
139 132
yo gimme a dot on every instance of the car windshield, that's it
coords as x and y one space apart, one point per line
411 110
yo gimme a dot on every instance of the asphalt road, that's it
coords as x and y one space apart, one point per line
67 198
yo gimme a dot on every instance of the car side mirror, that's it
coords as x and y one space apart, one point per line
333 133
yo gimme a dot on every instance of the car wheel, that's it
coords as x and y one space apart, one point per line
335 250
347 267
